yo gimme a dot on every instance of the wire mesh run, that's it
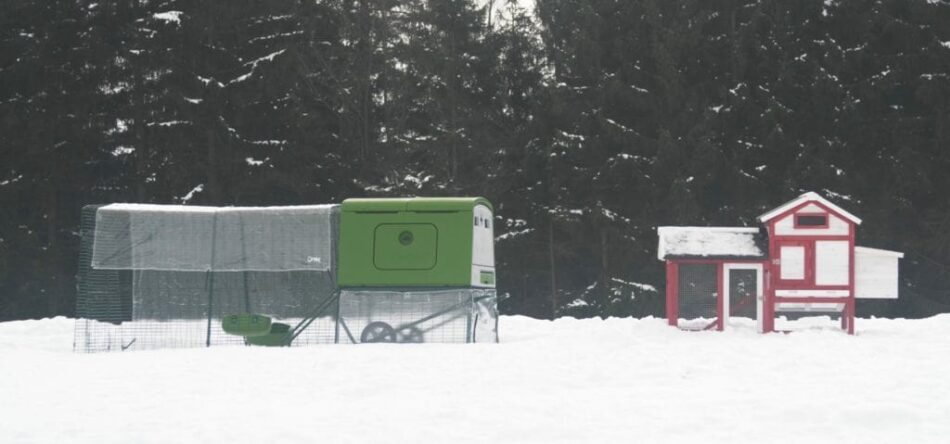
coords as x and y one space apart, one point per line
417 316
698 293
137 309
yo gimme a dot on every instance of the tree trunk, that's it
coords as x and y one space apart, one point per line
365 52
211 171
454 86
604 275
141 146
553 268
56 292
524 281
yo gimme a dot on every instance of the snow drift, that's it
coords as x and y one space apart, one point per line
615 380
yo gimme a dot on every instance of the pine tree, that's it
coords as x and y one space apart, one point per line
51 127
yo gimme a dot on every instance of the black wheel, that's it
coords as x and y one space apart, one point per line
378 332
411 335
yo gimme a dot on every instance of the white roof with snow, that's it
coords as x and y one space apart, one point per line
160 208
709 242
808 197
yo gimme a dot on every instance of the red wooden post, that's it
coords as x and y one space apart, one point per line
851 296
851 316
768 324
720 300
672 281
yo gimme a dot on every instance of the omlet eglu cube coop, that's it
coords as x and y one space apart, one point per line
806 262
369 270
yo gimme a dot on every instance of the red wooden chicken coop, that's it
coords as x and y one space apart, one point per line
804 262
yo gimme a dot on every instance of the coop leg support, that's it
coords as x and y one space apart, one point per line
349 334
851 317
672 278
468 320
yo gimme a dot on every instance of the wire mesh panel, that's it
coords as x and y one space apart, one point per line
742 293
103 297
463 315
697 295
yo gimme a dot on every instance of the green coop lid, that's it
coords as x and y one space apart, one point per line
414 204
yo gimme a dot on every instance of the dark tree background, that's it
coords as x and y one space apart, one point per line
587 123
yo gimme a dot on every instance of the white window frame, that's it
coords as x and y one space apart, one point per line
759 291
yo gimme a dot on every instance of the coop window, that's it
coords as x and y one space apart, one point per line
487 225
476 221
811 220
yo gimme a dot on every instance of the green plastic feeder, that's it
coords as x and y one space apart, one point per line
247 325
277 336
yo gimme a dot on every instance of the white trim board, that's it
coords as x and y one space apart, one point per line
812 293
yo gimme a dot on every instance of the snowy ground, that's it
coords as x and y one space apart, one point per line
619 380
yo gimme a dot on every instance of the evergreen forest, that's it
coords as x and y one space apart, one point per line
587 123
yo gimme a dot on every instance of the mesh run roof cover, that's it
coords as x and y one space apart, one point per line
700 242
191 238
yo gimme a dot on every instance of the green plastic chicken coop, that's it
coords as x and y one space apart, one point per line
418 242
